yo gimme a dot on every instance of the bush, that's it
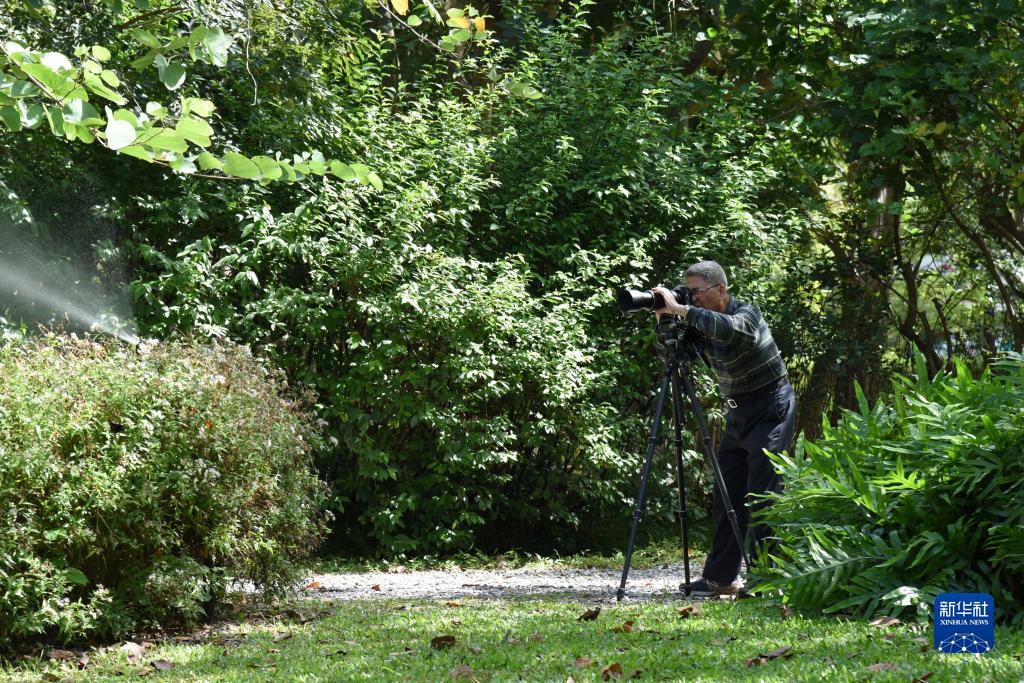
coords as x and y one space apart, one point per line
896 504
134 486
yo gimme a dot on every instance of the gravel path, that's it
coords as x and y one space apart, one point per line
599 585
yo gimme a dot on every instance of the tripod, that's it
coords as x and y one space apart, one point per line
678 347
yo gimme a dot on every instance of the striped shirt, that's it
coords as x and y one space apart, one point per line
739 345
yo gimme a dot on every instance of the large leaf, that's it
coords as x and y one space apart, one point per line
195 130
82 113
217 44
241 166
119 134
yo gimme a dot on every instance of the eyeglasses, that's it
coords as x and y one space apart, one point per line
694 293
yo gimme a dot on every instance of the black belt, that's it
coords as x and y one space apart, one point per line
767 390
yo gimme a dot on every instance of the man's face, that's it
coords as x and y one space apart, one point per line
706 295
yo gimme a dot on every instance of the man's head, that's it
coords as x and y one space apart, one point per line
708 286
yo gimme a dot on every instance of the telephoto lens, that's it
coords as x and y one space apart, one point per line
630 300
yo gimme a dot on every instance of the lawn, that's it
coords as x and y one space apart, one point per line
537 640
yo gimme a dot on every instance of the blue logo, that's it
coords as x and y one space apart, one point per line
965 622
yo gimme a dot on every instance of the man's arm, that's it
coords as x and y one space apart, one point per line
739 328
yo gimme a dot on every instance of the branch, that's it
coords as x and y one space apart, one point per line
146 15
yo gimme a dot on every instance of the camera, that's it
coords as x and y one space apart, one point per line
630 300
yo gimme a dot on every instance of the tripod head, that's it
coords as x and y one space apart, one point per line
677 340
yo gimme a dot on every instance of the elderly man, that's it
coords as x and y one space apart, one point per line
761 413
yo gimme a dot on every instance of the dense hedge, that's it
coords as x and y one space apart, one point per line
898 503
133 486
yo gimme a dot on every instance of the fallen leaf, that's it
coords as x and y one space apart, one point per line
293 614
785 611
60 655
146 670
442 642
282 636
584 662
535 637
883 666
690 611
923 677
274 651
882 622
462 671
626 627
47 676
635 673
589 615
343 653
452 604
613 670
766 657
474 649
456 622
375 587
313 584
162 665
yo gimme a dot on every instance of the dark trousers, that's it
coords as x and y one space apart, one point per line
765 423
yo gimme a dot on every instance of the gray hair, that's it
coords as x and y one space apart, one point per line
710 271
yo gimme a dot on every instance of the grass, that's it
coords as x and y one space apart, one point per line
542 640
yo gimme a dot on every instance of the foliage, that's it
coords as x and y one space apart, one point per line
897 503
134 486
40 85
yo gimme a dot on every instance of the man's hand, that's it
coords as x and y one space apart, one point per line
671 306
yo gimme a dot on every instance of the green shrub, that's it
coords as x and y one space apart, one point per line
896 504
134 486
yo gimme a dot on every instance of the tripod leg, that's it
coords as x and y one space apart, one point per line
684 521
639 511
710 451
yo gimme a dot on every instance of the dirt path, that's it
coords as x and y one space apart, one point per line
598 585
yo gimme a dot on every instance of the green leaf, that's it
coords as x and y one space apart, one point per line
362 173
125 115
197 106
137 151
82 113
100 53
56 120
269 168
143 62
21 89
240 166
208 162
156 110
172 75
164 138
460 36
456 12
414 20
146 38
375 181
184 166
343 171
11 118
97 86
119 133
56 62
59 85
110 78
76 576
32 115
217 44
195 130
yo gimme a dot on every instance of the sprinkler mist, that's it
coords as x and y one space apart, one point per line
83 311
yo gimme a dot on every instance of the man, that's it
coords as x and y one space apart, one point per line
761 413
